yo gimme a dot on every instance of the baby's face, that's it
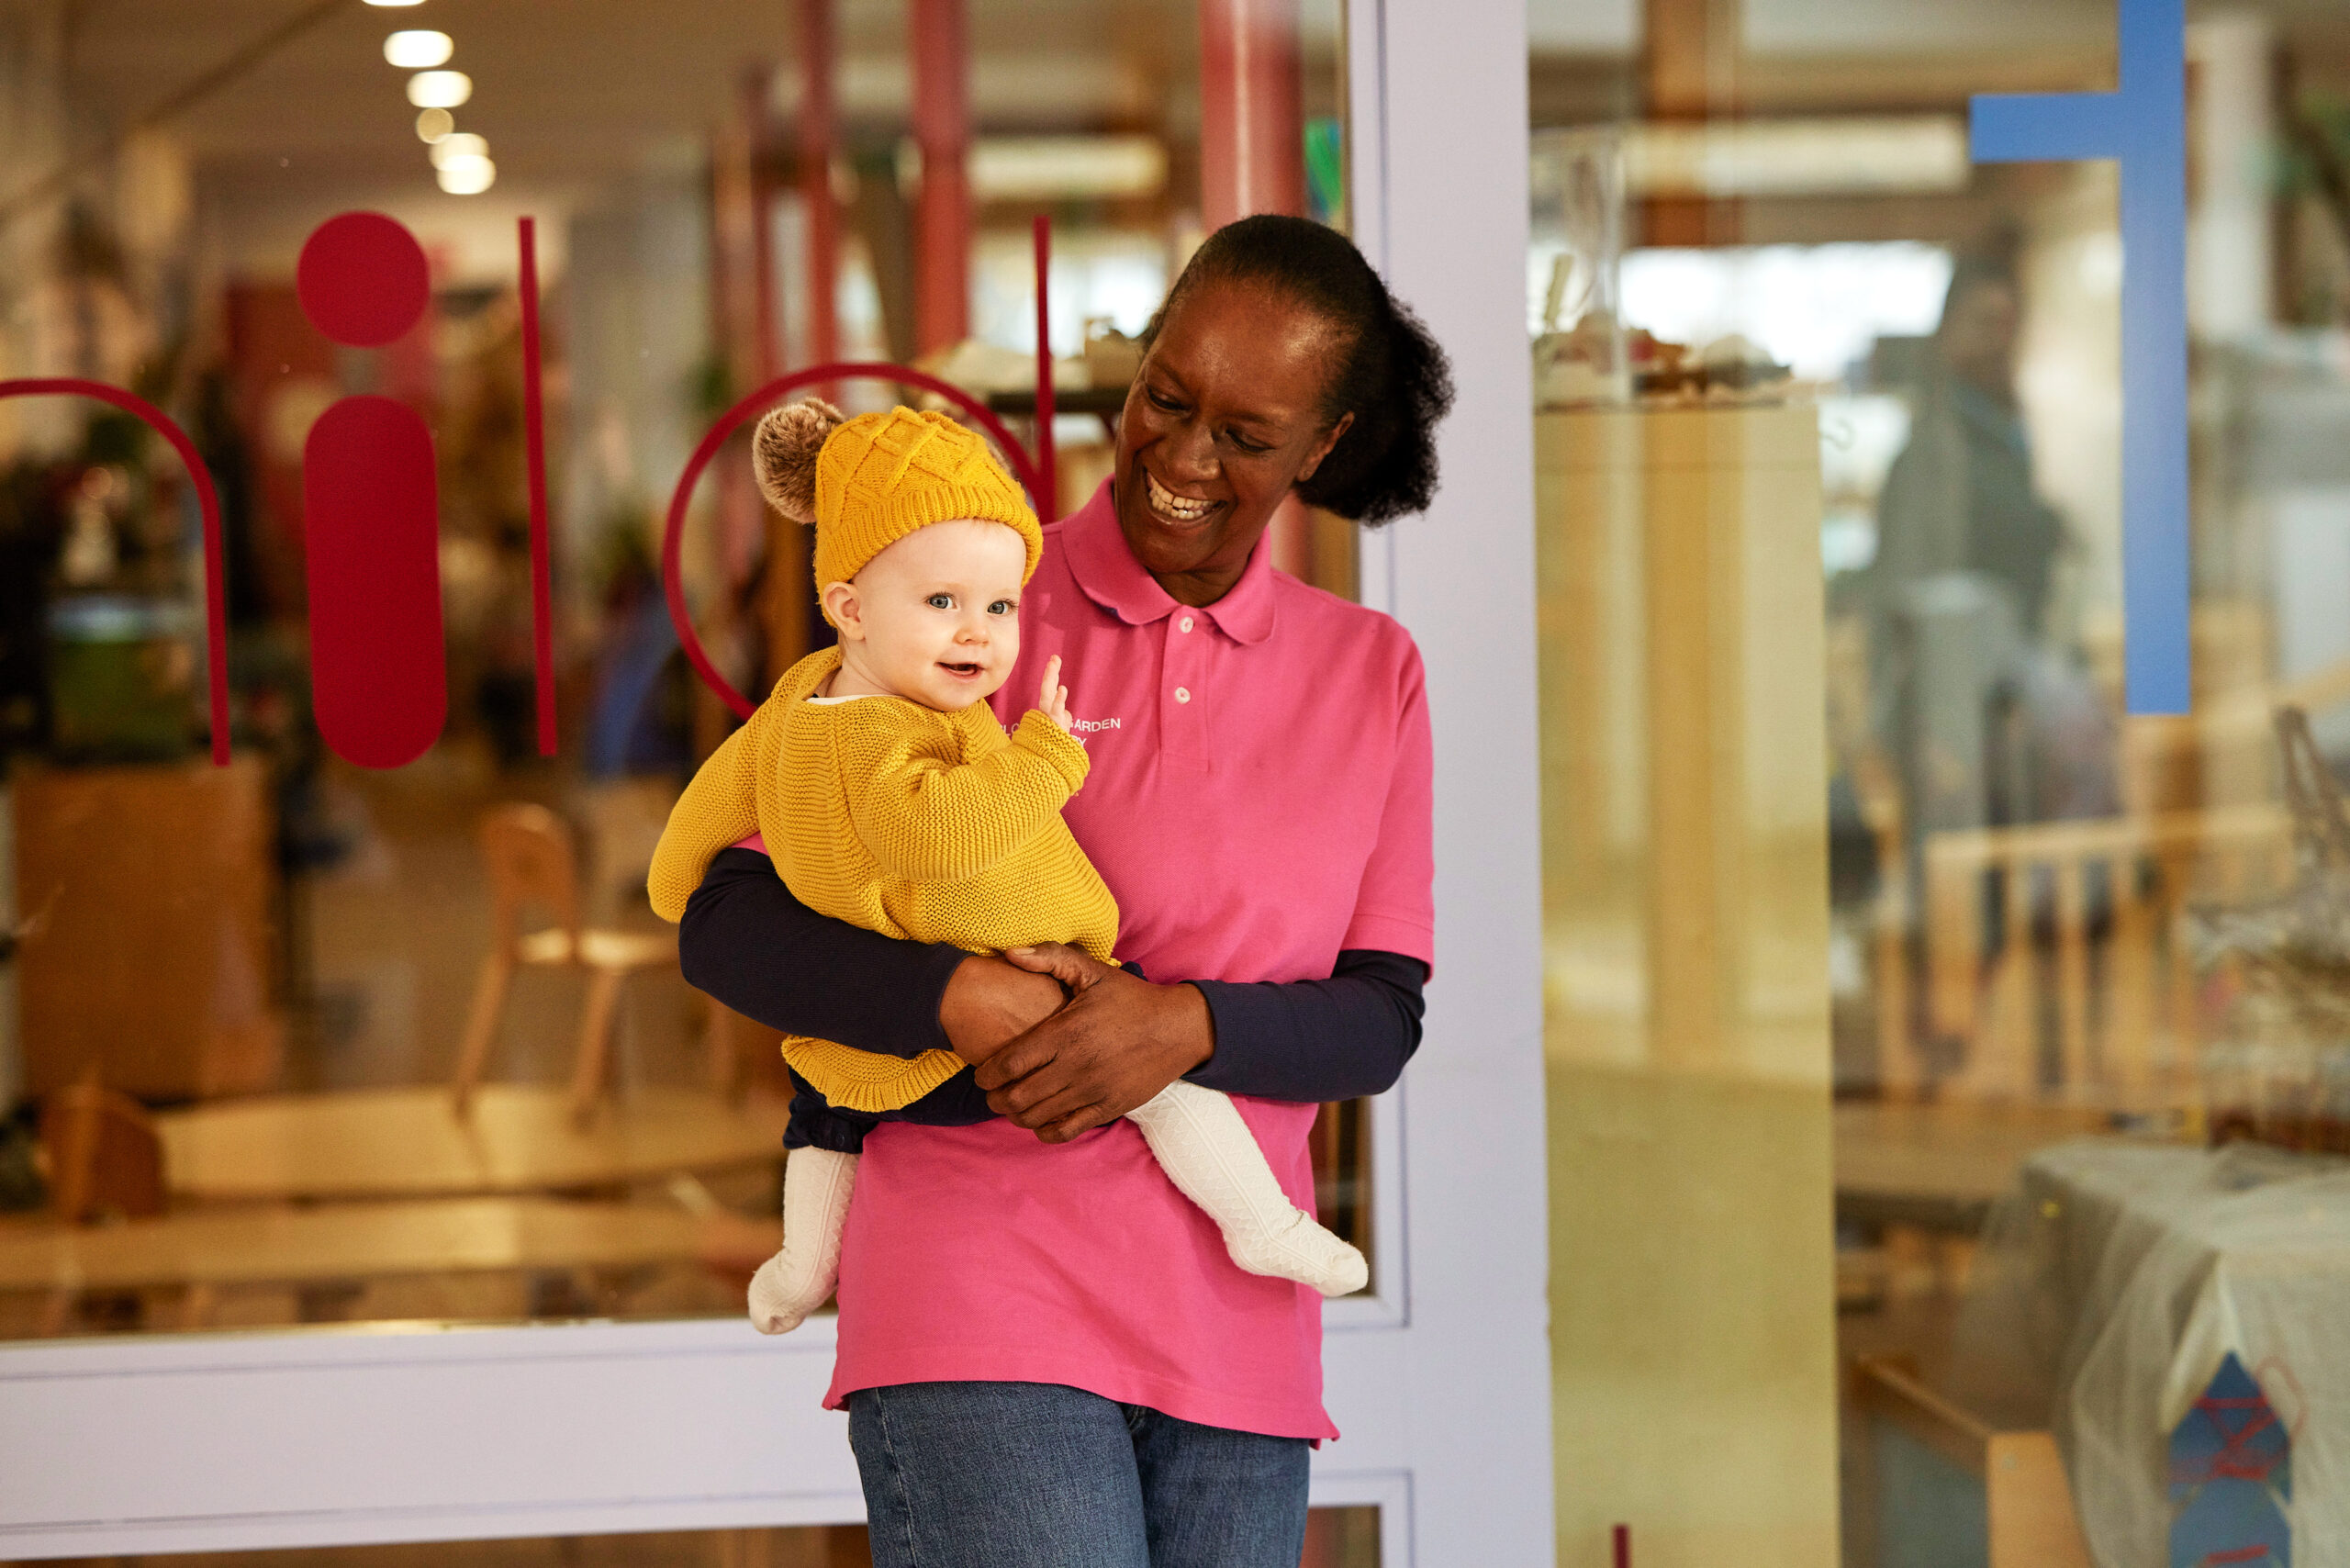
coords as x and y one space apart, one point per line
939 612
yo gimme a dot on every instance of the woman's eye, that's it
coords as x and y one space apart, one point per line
940 601
1253 448
1162 402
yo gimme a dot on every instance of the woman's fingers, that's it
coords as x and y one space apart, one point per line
1114 1047
1070 1106
1073 967
1022 1057
990 1003
1081 1121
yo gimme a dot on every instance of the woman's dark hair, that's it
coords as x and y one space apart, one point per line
1391 376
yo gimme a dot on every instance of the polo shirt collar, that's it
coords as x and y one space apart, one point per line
1112 579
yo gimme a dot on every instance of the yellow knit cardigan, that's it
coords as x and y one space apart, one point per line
903 820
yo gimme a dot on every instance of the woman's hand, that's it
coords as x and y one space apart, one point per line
1118 1042
988 1003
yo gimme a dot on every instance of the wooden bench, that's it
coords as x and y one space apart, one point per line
1930 1465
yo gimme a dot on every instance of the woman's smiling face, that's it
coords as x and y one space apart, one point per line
1223 418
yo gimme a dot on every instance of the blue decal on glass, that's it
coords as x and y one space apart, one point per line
2143 124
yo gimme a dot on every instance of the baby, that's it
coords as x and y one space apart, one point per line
888 796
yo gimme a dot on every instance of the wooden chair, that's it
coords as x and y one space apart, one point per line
1927 1466
2110 1015
104 1163
528 854
104 1157
625 819
1876 788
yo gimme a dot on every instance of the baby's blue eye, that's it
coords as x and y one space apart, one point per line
941 601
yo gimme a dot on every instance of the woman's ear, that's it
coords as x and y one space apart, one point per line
843 609
1321 448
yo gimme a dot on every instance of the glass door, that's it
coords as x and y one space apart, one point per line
1945 1088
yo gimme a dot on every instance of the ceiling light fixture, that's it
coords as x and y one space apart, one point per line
1066 168
458 147
467 176
418 48
439 89
433 125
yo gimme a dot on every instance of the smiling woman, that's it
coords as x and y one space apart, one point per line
1019 1322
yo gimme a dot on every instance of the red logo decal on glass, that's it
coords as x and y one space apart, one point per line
370 510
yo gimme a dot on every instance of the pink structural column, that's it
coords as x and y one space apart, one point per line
534 452
816 128
1252 131
1252 158
942 57
767 324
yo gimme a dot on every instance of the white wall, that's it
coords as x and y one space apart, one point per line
1441 205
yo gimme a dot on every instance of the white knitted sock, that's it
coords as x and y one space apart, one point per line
796 1280
1212 1159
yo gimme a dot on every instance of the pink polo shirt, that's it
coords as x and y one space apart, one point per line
1259 801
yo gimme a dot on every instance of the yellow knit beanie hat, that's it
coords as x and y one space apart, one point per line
866 483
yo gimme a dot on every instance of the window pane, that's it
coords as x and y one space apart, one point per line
244 1002
2043 953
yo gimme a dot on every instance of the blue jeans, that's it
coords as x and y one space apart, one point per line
1038 1475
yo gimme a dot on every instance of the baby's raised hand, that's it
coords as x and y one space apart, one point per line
1053 701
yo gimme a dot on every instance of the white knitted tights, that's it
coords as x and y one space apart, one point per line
1212 1159
796 1280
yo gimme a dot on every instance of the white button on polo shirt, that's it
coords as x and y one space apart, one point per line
1182 694
1184 624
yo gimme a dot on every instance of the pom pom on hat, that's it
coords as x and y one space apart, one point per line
784 452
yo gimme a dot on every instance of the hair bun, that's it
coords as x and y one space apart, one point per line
783 455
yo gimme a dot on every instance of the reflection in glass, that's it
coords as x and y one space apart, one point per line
296 1042
2064 948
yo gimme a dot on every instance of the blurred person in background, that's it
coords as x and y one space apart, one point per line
1958 595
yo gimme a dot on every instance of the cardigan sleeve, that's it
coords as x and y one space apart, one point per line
931 820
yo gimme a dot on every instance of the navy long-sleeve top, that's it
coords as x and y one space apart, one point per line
748 942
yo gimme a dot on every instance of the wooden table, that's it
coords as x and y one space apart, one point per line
412 1143
2132 1271
208 1251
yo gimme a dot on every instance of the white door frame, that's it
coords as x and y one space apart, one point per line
1439 1379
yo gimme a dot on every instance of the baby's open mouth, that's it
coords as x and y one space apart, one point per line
966 670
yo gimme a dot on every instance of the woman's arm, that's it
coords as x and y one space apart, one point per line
1122 1039
1326 1039
746 940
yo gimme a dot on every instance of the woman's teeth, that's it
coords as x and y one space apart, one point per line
1174 508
